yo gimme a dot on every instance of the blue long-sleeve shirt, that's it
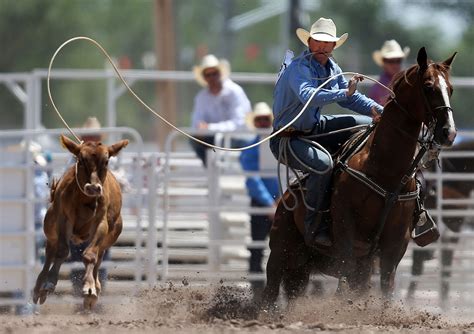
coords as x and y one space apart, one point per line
263 190
298 82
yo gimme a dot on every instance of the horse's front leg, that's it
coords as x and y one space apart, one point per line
362 275
275 269
389 260
344 230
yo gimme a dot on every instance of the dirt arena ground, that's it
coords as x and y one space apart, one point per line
226 309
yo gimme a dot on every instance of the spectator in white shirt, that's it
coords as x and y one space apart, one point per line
221 106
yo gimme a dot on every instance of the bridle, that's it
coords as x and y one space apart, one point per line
427 136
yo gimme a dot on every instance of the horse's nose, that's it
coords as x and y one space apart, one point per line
449 133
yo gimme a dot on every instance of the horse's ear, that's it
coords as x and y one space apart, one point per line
69 145
422 59
448 61
115 148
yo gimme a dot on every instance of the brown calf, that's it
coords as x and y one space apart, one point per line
85 206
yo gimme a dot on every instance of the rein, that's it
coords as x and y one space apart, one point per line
390 197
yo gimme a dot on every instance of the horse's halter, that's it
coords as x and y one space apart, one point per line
427 136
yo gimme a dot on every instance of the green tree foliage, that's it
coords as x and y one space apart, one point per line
31 30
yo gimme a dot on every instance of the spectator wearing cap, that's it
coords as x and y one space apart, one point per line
263 191
220 106
390 58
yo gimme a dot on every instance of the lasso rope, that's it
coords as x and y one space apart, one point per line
276 133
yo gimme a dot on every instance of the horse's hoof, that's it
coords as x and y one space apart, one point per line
89 302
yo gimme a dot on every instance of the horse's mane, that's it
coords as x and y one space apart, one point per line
403 75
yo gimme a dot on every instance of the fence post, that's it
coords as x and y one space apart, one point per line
152 185
215 228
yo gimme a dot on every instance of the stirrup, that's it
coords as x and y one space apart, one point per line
425 231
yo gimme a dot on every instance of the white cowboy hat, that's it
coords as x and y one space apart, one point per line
261 109
390 50
211 61
92 123
322 30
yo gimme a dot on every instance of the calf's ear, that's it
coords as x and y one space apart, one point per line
69 145
115 148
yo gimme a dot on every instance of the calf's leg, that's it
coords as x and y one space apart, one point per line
91 258
39 292
54 227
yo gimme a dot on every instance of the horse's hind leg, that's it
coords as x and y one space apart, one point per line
417 268
447 256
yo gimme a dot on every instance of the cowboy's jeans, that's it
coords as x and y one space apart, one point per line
318 184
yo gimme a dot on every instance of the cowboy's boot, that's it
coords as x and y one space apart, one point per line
317 230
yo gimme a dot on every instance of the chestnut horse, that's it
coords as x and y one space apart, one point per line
363 226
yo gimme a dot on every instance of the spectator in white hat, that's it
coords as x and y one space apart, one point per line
296 84
390 58
220 106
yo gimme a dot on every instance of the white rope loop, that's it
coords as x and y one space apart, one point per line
276 133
